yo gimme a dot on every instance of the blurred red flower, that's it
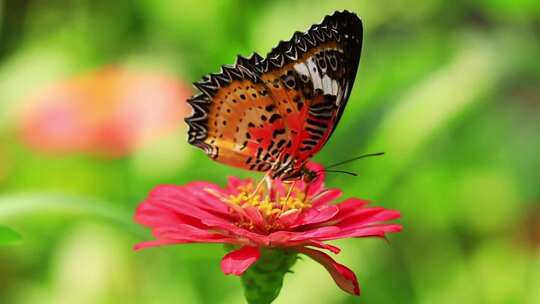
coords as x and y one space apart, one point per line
107 112
282 217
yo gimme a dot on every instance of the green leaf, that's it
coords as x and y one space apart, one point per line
8 235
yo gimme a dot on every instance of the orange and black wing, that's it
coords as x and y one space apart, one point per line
235 120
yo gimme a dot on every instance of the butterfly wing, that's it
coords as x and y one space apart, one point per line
283 107
310 78
235 120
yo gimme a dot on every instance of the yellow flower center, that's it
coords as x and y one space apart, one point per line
271 207
292 200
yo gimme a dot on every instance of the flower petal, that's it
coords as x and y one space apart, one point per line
286 238
194 194
289 217
325 197
185 232
316 215
241 234
322 245
151 215
187 206
375 230
367 216
350 206
343 276
238 261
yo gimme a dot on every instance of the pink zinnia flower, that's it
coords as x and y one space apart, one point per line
297 218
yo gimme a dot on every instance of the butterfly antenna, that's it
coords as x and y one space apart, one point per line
353 159
341 171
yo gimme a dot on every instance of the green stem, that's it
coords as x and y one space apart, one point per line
263 280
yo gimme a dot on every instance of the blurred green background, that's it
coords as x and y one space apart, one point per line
450 90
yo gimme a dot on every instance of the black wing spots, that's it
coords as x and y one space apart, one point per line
324 109
309 142
275 152
322 115
299 106
263 167
321 60
333 62
270 146
278 132
286 157
315 132
274 117
291 80
281 143
260 162
270 108
317 123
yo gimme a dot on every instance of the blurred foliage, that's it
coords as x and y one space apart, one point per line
450 90
8 236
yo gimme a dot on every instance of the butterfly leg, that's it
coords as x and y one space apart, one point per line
268 181
260 183
289 192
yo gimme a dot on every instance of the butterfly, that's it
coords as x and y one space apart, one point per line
273 114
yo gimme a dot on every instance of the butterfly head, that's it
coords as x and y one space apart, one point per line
299 173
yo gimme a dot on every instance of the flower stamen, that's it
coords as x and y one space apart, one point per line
270 207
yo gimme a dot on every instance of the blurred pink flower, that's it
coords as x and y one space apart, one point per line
107 112
202 212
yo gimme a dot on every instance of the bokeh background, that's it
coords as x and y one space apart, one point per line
91 104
